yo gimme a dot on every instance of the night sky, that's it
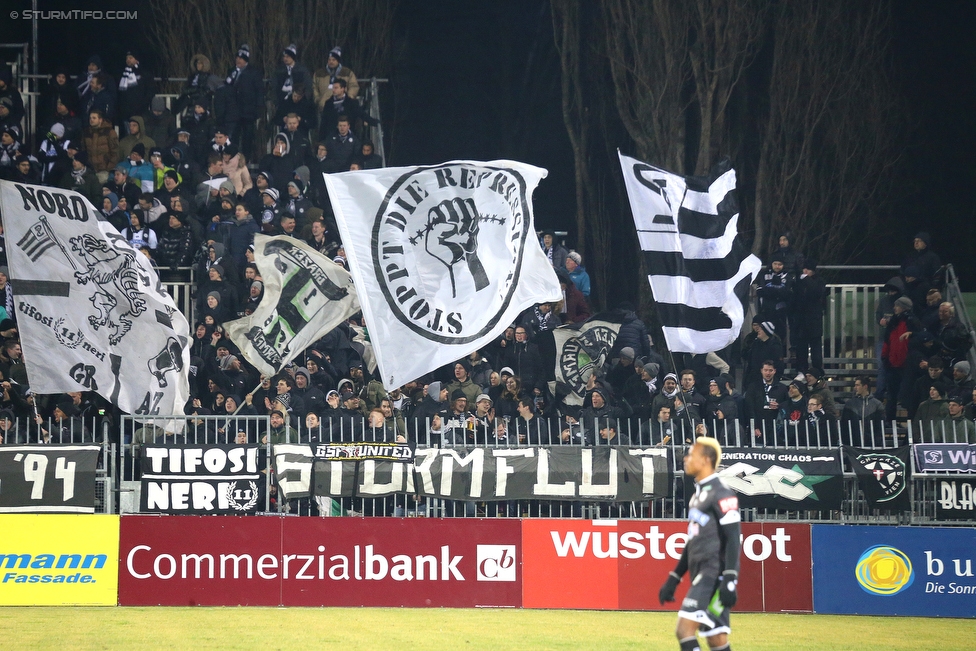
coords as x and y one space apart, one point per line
480 80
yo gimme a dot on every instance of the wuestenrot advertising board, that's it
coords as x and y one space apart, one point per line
289 561
620 564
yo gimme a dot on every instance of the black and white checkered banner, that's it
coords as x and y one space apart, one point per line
48 478
201 479
608 474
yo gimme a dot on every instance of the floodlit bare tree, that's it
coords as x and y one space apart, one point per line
724 39
216 28
576 55
827 147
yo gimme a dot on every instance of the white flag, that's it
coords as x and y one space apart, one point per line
445 257
306 295
699 272
91 311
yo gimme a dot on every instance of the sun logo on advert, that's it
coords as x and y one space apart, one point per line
884 571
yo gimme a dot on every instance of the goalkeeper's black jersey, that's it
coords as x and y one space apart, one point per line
711 511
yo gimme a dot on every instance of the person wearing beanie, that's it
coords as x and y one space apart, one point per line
81 178
289 74
902 325
760 345
325 78
63 426
774 294
246 93
577 273
160 122
807 316
52 155
922 260
175 243
462 382
787 254
960 377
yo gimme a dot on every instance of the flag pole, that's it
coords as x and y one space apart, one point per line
251 393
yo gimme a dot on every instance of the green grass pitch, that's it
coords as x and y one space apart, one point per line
423 629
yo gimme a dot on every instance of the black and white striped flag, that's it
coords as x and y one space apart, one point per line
699 272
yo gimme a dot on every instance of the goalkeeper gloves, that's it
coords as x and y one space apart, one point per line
666 593
726 588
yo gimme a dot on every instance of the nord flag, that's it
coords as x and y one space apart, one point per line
91 312
444 256
699 272
306 295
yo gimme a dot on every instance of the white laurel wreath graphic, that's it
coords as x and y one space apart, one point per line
66 342
250 504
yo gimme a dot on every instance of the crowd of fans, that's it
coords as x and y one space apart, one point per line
188 195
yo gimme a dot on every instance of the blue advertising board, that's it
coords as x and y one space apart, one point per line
863 570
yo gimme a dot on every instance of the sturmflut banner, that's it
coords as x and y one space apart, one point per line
608 474
91 311
48 478
795 479
444 257
201 479
306 295
699 272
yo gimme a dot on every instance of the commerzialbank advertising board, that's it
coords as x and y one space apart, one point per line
923 571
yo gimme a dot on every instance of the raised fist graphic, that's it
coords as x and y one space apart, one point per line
452 236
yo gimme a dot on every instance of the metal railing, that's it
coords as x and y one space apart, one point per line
88 429
676 437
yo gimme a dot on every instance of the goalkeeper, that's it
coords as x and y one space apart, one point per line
711 553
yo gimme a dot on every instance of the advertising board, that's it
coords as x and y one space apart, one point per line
866 570
611 564
59 560
271 561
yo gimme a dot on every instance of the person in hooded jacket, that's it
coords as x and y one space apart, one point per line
200 126
176 243
239 234
53 155
159 122
632 333
136 133
8 91
895 353
862 418
199 86
58 89
883 311
721 412
297 203
111 213
792 259
280 163
922 258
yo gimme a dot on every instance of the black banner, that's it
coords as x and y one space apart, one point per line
201 479
48 478
364 451
883 476
954 499
608 474
796 479
945 458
